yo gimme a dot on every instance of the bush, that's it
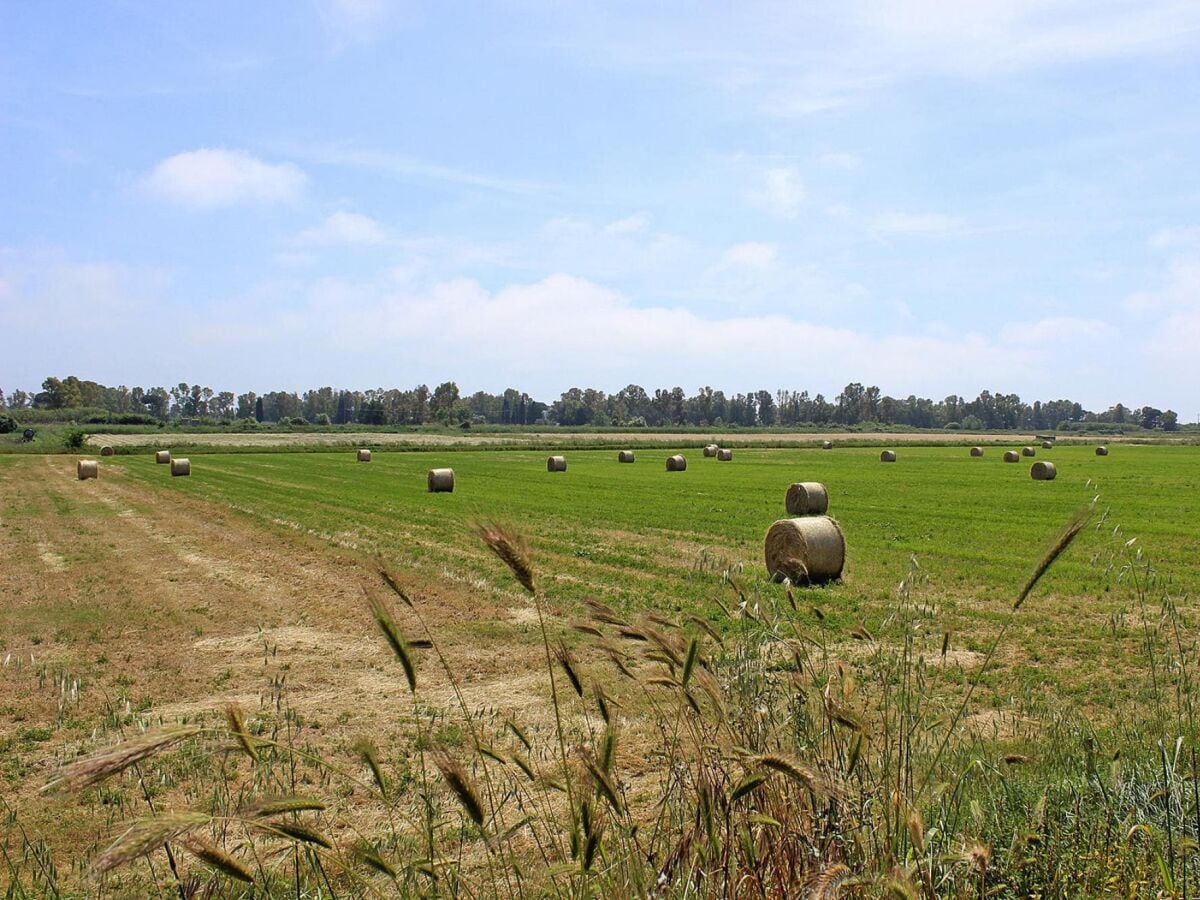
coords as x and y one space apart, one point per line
8 425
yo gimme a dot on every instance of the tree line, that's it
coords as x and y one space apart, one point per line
632 406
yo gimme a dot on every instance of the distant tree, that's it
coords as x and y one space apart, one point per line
258 410
1170 420
441 404
18 400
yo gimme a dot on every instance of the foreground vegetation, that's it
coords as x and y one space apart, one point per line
1015 719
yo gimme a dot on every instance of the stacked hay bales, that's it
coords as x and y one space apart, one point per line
977 451
805 550
1028 451
180 467
887 456
364 455
710 450
676 463
626 456
162 457
87 468
1043 471
556 464
826 445
1012 456
1102 451
807 498
724 455
440 481
107 450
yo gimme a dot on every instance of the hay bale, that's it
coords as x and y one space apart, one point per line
724 455
440 481
556 464
1043 471
710 450
826 445
806 498
162 457
626 456
1012 456
1102 451
806 550
364 455
676 463
1047 445
1028 451
887 456
977 451
107 450
181 467
87 468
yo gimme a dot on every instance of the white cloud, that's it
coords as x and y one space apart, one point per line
1179 289
1175 238
212 177
835 160
1057 330
754 254
635 224
904 224
345 228
781 192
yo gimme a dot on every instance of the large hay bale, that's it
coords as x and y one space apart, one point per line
440 481
1102 451
887 456
1047 445
181 467
87 468
1028 451
626 456
364 455
676 463
162 457
710 450
1012 456
107 450
806 550
806 498
1043 471
724 455
826 445
977 451
556 464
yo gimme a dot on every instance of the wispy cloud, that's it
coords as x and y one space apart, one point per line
1056 329
903 224
780 192
755 254
345 228
208 178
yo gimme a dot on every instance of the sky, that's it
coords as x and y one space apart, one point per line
930 197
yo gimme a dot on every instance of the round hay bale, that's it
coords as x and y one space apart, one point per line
626 456
107 450
440 481
364 455
181 467
710 450
676 463
1047 445
87 468
1043 471
724 455
162 457
1028 451
807 498
887 456
1102 451
807 550
1012 456
977 451
826 445
556 464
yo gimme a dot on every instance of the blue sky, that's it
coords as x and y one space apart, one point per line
930 197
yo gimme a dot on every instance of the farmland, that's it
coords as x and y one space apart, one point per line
155 598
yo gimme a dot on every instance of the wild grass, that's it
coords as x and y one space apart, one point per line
775 754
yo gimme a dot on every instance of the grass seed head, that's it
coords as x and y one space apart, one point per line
511 549
461 784
145 837
95 768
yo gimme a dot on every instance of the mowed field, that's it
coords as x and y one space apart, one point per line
142 598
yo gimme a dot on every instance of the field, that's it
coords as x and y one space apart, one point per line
141 598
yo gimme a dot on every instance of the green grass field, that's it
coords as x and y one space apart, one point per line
637 536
